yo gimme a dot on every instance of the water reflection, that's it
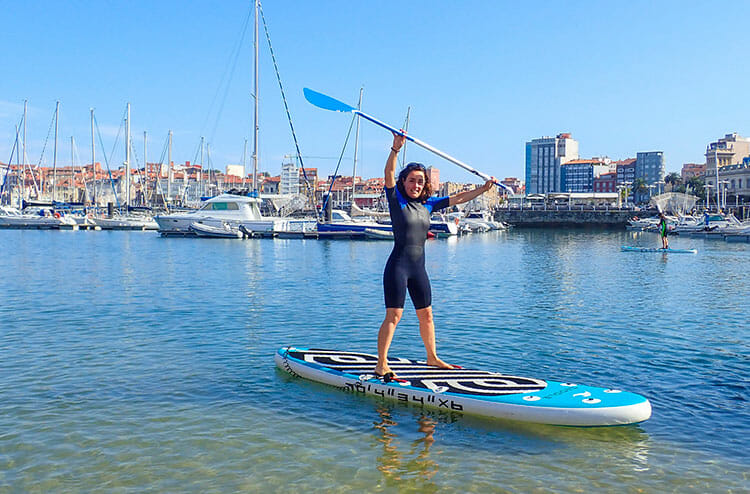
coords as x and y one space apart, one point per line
400 463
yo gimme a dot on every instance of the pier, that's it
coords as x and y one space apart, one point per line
565 217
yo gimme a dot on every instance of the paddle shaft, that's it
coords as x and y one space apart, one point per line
429 148
327 103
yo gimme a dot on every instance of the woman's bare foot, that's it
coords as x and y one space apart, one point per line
439 363
383 370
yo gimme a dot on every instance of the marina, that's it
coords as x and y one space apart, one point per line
125 376
217 279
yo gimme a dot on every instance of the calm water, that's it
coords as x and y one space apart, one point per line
133 362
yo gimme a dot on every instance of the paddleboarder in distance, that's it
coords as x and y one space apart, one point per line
663 231
410 203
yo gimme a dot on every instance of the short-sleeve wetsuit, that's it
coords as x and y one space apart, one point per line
405 269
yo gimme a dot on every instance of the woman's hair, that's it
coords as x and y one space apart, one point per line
426 191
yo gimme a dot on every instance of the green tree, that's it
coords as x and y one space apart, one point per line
674 180
695 186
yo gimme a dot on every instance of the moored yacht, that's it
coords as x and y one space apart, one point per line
225 209
343 224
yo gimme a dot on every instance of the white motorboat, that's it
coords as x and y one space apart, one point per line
209 231
13 218
709 223
483 218
231 209
134 222
343 224
378 234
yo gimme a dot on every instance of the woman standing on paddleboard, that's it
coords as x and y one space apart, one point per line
663 230
410 203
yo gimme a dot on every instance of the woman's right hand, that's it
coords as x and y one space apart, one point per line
398 141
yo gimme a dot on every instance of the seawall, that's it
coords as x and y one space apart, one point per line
601 218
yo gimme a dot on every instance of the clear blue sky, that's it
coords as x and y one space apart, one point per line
481 77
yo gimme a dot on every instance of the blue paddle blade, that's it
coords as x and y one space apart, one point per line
326 102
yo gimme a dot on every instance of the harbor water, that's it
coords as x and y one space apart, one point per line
132 362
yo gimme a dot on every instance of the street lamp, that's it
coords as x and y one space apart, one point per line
659 189
627 192
708 193
724 195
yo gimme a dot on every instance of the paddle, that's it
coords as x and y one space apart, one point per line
327 103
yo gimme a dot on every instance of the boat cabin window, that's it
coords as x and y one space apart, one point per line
340 216
220 206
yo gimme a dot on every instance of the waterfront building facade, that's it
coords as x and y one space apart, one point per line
513 183
625 170
606 182
734 182
544 158
579 175
650 167
690 170
289 178
729 150
433 174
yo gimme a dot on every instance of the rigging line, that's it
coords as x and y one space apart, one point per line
235 53
7 170
25 158
106 160
229 80
159 188
76 158
336 171
49 132
286 107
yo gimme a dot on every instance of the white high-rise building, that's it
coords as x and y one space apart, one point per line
289 179
544 156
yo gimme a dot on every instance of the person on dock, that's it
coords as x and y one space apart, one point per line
410 203
663 230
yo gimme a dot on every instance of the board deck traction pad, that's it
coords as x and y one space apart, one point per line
474 391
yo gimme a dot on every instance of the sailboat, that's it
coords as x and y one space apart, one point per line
229 212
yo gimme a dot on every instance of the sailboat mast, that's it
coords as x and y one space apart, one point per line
406 128
72 166
208 162
202 187
255 93
145 170
169 168
244 164
127 159
18 174
93 157
54 155
356 148
23 187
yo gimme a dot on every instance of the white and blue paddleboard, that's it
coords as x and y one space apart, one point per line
626 248
468 391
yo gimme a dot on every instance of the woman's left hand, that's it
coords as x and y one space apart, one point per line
488 185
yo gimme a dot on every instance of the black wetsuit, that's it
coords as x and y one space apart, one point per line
663 227
405 267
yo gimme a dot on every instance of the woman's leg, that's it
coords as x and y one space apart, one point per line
385 336
427 332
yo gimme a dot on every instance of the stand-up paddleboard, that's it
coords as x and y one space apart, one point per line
469 391
626 248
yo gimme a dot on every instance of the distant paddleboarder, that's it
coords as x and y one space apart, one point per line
663 230
411 203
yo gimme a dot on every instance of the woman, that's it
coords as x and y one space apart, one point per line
663 230
410 204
